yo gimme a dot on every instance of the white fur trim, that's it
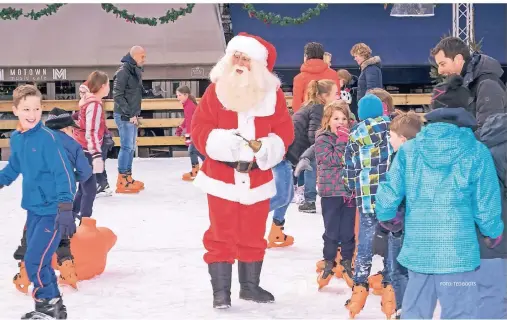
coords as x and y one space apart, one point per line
239 191
218 146
271 152
250 46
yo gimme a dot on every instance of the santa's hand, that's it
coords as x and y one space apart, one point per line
224 145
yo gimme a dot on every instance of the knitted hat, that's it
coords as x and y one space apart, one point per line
450 94
59 119
457 116
255 47
370 106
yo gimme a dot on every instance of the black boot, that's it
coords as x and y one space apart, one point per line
19 254
249 279
221 273
47 309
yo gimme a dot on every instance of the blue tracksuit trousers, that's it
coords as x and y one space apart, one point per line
42 242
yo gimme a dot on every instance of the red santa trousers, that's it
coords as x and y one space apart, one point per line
236 231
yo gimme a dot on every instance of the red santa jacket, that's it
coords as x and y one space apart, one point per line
270 123
92 125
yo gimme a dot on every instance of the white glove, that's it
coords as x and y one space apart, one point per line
224 145
98 165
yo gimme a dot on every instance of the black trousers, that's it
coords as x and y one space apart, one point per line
339 221
85 196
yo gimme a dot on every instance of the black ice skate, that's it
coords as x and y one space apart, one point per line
48 309
19 254
308 207
103 190
348 272
221 273
249 279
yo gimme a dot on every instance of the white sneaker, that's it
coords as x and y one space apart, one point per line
299 195
107 192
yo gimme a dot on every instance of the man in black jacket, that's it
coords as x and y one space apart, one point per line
127 94
481 75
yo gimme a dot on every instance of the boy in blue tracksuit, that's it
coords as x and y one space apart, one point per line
449 182
48 192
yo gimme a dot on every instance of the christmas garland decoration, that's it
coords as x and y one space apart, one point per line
11 13
273 18
170 16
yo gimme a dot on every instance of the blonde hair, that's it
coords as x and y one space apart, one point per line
329 109
23 91
315 90
406 124
361 49
327 58
345 76
384 96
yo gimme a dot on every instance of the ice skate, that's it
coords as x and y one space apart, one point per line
104 191
299 197
136 183
48 309
19 254
221 273
326 274
277 238
249 278
68 274
190 176
124 185
356 303
348 273
21 280
388 303
338 271
375 282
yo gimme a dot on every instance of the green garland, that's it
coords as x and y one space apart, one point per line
11 13
170 16
272 18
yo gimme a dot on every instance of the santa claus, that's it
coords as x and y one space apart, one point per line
243 127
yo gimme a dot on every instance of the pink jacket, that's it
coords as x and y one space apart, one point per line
188 111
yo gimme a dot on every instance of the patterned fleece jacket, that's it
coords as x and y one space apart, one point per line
367 160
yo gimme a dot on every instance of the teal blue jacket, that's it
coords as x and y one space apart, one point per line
48 177
450 184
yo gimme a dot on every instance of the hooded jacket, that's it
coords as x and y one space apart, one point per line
482 76
312 69
128 88
494 135
370 77
92 125
445 174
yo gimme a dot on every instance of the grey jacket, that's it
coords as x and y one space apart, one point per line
128 88
494 135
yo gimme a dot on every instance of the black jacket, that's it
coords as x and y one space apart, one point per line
494 135
306 121
370 77
128 88
481 75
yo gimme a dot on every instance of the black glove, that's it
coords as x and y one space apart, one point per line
380 241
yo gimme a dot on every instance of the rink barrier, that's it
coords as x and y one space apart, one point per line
163 105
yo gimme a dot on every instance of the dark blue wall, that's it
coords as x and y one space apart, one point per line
398 41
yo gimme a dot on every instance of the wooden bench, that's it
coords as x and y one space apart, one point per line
163 105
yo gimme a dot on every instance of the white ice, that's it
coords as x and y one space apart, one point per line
156 268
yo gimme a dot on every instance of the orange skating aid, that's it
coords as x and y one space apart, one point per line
388 303
68 274
338 270
90 246
190 176
21 280
326 274
375 282
356 303
124 185
277 238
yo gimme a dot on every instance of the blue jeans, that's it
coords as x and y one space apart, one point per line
282 173
311 183
492 282
194 155
395 273
128 135
457 293
367 225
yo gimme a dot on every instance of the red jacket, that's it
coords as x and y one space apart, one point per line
92 124
188 111
312 69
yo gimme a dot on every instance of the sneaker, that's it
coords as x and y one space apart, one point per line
308 207
299 195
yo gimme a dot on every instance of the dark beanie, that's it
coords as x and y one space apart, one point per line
450 94
59 119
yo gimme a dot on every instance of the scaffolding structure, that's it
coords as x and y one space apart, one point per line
463 22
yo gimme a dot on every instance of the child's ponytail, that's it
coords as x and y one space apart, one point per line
186 90
315 90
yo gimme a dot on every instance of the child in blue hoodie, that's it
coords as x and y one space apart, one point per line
449 182
366 162
48 191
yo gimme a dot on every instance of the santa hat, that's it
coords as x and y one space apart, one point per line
255 47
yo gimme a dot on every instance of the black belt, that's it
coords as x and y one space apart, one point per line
242 166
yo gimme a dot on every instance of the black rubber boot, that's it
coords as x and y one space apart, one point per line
221 273
249 279
48 308
19 254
